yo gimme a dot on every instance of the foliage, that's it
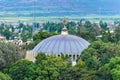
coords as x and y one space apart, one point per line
103 25
31 45
88 24
8 34
9 53
114 37
117 34
39 37
114 66
26 31
98 54
67 59
53 27
78 73
49 67
40 57
104 73
21 70
4 76
12 31
89 33
94 63
107 36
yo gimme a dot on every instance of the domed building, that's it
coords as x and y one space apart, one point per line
63 43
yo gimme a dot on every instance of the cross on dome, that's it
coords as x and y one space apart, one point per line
64 30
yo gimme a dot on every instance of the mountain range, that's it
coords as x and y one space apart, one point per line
59 7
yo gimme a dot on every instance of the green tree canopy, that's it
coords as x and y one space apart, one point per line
114 67
117 34
49 67
9 53
98 54
21 70
88 24
4 76
103 25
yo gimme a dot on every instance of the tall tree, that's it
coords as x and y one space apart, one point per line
117 34
103 25
88 24
9 53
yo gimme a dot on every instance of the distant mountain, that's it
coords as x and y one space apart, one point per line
58 7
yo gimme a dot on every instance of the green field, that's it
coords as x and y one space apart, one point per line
93 18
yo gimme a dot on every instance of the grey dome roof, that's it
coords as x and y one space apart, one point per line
67 44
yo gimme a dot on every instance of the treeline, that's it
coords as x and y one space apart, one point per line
100 61
85 29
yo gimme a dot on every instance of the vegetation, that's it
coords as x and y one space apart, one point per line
21 70
4 76
9 53
100 61
39 37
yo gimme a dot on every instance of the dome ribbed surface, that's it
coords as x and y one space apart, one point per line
67 44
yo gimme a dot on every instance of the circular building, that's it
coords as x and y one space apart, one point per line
64 43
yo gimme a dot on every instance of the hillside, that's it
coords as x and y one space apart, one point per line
58 7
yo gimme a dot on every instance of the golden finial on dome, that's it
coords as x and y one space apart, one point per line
64 21
64 30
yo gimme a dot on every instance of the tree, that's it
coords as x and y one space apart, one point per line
1 29
42 35
97 29
107 36
104 73
103 25
31 45
39 37
111 70
92 33
114 67
80 73
52 27
67 59
8 34
87 35
117 34
87 24
49 67
80 23
21 70
98 54
4 76
40 57
9 53
26 32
